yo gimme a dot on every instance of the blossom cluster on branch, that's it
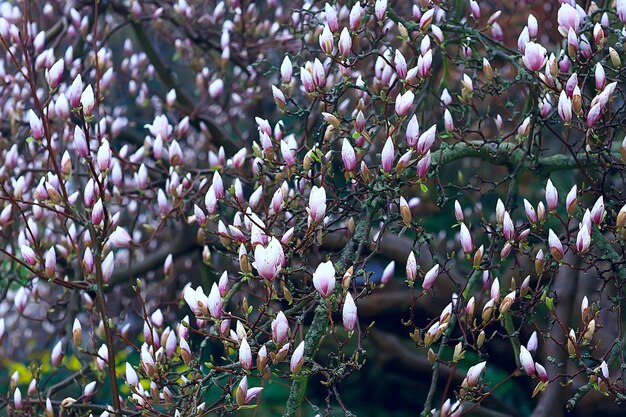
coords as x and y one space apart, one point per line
196 197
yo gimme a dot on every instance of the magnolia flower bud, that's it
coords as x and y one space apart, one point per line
36 125
286 70
324 278
466 239
87 101
473 375
388 273
326 41
297 359
552 196
349 313
317 204
430 277
411 267
404 103
345 43
526 360
77 333
132 378
57 354
534 56
556 248
245 355
388 155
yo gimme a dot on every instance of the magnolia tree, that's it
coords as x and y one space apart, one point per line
176 241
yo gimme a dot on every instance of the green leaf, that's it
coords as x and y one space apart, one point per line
424 188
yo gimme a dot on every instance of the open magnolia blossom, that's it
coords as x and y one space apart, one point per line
210 207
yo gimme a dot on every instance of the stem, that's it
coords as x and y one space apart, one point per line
108 336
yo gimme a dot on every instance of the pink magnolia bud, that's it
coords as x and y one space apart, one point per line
120 238
426 140
216 88
97 213
324 278
222 284
297 359
103 357
75 91
17 399
210 200
89 389
426 19
326 41
552 196
36 125
556 248
331 17
380 9
423 165
594 114
175 153
215 302
412 132
400 64
317 203
388 273
279 97
50 262
57 354
534 56
600 76
245 355
466 239
108 265
541 211
570 200
404 103
430 277
348 156
280 328
268 259
104 156
473 374
411 267
319 73
286 70
598 212
448 122
495 290
532 342
87 101
388 155
29 255
508 229
542 374
424 64
530 212
526 360
565 107
132 378
55 73
458 211
349 313
532 26
21 300
77 333
475 9
583 239
568 18
306 78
